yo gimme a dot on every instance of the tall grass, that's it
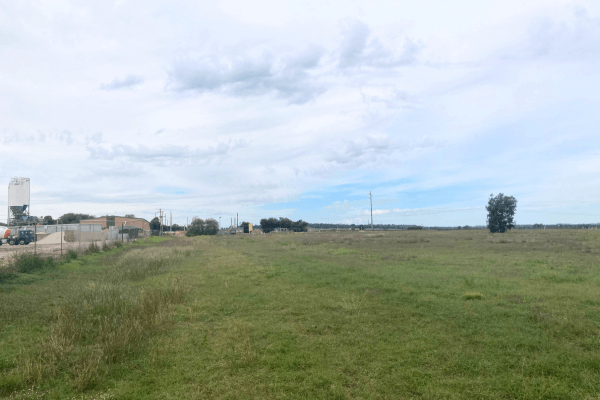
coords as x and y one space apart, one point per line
102 322
28 263
138 264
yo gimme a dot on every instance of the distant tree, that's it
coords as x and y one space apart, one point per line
47 220
176 227
300 226
72 218
155 224
501 211
286 223
129 216
196 227
211 226
268 225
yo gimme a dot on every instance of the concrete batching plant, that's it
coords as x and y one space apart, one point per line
18 202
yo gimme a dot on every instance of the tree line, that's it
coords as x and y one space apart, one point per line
270 224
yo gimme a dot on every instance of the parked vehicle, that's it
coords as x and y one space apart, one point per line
22 237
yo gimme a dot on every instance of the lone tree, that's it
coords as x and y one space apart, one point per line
155 224
501 210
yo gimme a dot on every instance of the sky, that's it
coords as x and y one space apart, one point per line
301 109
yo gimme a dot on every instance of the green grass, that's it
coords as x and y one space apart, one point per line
408 315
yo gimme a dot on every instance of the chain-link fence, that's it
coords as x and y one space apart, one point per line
56 240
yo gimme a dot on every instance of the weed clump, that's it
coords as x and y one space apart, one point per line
473 296
27 263
92 248
6 274
71 255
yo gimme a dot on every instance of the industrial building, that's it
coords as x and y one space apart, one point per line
108 221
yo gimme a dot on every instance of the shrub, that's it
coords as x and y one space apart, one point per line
105 246
71 255
27 263
117 243
92 248
6 274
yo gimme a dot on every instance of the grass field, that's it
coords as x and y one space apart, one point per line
398 315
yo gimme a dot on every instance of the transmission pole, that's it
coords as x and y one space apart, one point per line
371 197
160 221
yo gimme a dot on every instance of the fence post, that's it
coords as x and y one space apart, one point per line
61 239
35 240
122 225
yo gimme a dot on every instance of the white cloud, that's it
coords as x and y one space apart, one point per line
358 50
126 83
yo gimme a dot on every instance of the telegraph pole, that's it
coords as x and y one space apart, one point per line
371 197
160 220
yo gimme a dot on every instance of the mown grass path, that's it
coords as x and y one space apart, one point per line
399 315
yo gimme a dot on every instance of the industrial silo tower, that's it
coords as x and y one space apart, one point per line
18 202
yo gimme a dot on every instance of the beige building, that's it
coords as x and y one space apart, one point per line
118 221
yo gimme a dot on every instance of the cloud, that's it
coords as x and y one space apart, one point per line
371 148
95 138
170 154
375 212
128 82
173 190
395 100
15 137
360 149
286 77
575 38
356 50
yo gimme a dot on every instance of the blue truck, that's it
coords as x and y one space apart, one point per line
22 237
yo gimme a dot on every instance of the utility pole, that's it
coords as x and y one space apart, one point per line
161 221
171 222
371 197
237 220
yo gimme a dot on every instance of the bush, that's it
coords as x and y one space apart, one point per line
105 246
117 243
6 275
92 248
71 255
27 263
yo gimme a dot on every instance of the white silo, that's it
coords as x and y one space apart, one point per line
18 201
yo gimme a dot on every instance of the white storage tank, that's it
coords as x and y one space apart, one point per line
18 201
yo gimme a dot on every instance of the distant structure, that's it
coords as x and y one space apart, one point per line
19 202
